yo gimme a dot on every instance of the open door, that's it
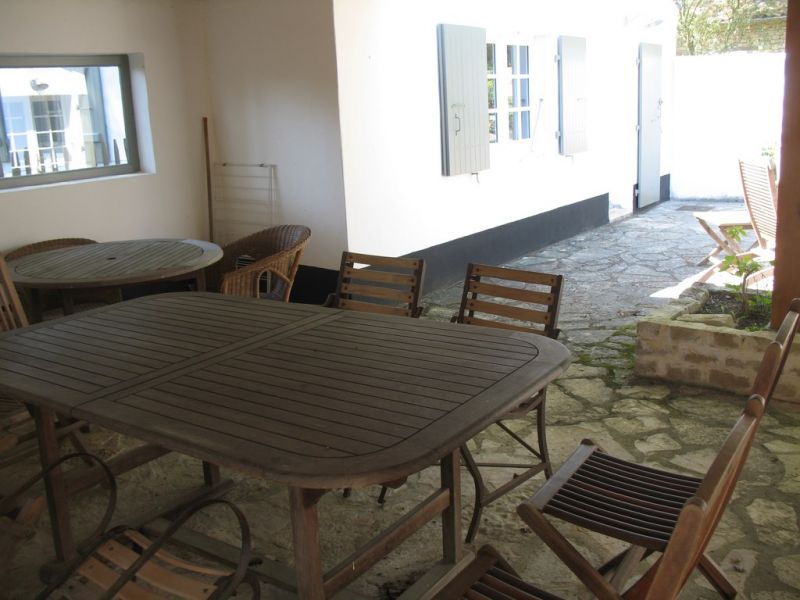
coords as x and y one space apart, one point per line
649 126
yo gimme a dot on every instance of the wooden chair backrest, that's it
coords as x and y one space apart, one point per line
760 198
701 513
487 291
388 285
11 314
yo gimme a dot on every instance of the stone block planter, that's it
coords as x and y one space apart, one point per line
675 344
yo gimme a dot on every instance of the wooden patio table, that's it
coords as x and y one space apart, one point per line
112 265
311 397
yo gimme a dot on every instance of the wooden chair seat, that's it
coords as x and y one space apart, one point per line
519 300
630 502
261 265
124 563
490 577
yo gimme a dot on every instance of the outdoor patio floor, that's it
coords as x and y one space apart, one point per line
614 275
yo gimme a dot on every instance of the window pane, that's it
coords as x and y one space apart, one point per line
513 126
493 128
513 93
491 64
63 118
524 92
511 58
525 118
523 60
492 94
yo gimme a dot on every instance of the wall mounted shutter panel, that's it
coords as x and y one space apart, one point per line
464 102
572 100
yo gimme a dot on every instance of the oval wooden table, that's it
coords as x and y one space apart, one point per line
112 265
311 397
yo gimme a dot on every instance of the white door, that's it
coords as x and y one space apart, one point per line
649 125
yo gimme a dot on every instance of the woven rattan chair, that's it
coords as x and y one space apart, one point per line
383 284
261 265
651 509
523 301
124 563
17 439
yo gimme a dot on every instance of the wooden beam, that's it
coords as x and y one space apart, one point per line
787 248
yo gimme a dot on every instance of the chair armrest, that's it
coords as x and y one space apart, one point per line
245 281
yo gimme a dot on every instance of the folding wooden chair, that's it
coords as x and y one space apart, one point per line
123 563
652 509
718 224
523 301
383 285
761 201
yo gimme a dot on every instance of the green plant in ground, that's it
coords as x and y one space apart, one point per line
752 306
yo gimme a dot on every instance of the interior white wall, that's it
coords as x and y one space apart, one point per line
397 199
728 106
170 200
272 67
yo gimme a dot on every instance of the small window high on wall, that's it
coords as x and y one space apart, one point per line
65 118
463 99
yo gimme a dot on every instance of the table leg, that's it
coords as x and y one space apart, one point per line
305 534
200 280
54 484
37 304
67 302
211 475
451 517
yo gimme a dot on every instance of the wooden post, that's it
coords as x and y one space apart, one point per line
208 181
787 245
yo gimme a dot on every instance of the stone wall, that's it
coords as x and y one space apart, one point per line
673 347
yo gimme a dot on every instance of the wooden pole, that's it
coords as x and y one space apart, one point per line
787 245
208 181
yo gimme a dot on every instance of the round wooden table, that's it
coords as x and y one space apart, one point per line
113 265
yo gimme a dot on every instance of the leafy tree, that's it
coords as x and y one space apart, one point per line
713 26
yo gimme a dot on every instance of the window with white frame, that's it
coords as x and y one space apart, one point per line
491 78
64 118
512 81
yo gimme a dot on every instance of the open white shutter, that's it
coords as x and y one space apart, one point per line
463 96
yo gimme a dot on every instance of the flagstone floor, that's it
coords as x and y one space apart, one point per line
614 275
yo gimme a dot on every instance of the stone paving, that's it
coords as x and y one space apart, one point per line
614 275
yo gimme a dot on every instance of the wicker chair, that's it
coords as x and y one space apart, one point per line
267 258
121 562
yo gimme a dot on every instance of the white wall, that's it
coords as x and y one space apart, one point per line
272 67
727 107
168 201
397 199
